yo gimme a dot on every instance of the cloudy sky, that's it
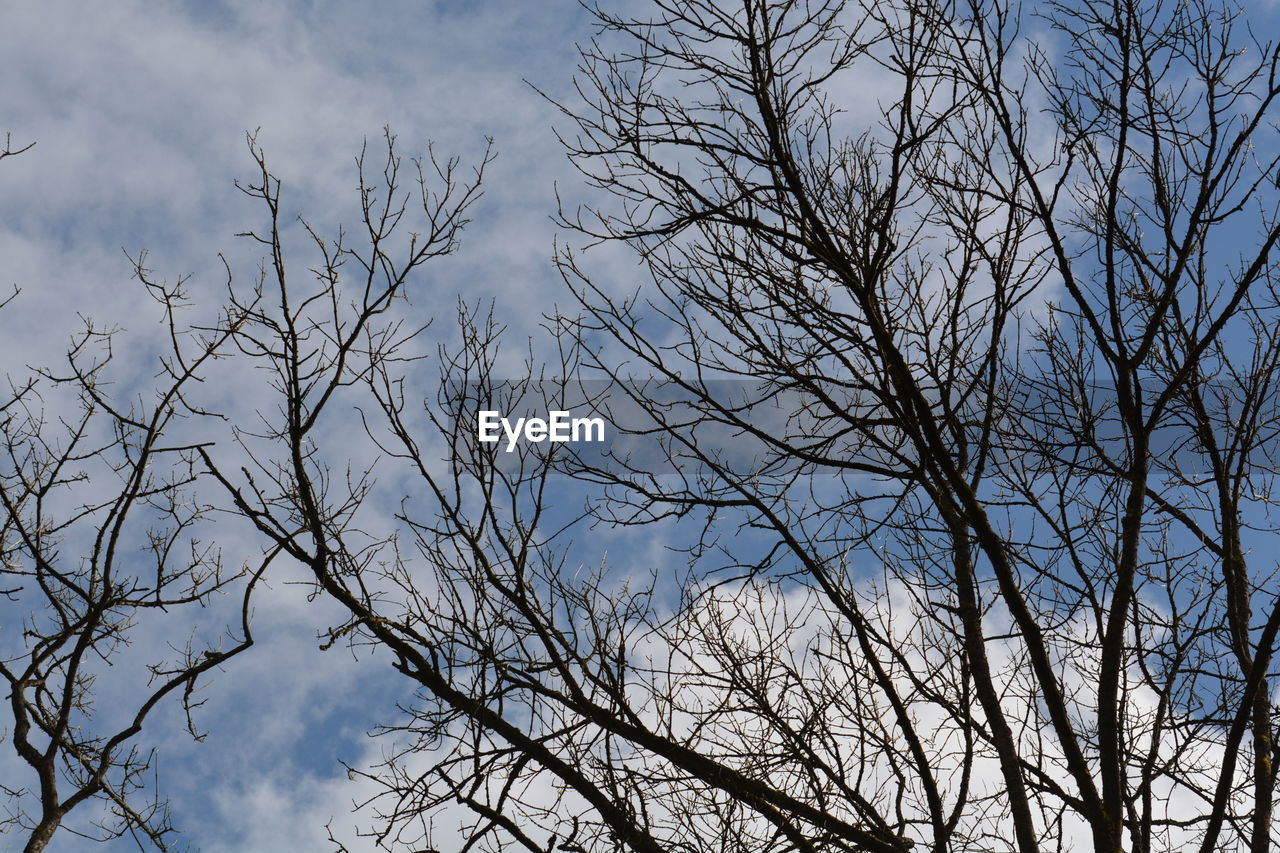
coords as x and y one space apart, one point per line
139 113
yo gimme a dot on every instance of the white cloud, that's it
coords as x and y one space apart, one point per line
139 112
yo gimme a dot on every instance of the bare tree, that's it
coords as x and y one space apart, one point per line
103 533
954 357
1025 328
321 337
997 576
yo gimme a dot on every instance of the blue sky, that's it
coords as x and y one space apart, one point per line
139 112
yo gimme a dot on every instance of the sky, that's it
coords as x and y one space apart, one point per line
139 113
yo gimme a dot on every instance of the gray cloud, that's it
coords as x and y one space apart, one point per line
139 112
